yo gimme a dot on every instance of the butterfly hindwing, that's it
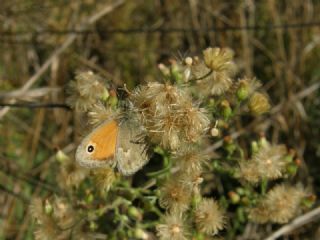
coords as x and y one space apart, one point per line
130 154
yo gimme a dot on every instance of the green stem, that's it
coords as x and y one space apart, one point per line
264 185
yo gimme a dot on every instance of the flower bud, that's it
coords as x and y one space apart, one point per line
259 104
229 146
254 147
234 197
188 61
243 91
309 201
134 213
61 156
292 169
164 69
93 226
226 109
48 208
105 95
140 234
113 100
214 132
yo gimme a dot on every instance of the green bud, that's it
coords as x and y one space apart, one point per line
93 226
124 218
245 201
211 104
229 145
90 198
234 197
254 147
226 109
242 92
175 73
263 142
308 201
105 95
240 191
48 208
288 158
61 156
113 101
134 213
292 169
140 234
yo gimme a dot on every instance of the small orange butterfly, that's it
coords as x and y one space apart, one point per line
112 144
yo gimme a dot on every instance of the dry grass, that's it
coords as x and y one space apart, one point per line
286 60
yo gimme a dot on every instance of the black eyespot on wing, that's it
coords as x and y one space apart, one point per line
90 149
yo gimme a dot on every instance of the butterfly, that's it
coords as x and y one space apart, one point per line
113 144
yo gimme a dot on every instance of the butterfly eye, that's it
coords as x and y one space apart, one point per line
90 149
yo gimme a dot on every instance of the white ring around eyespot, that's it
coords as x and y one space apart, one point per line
90 144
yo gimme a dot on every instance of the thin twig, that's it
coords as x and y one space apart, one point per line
35 105
32 93
296 223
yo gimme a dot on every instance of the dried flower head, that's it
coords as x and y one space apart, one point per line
219 59
99 113
46 228
190 159
173 228
70 174
208 217
104 178
85 91
37 209
268 163
210 82
175 196
252 84
55 219
63 213
279 205
258 104
168 115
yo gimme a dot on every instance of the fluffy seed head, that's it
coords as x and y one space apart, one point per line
104 178
190 159
216 83
99 113
70 174
218 59
268 163
173 228
168 115
208 217
279 205
63 213
175 196
52 217
85 91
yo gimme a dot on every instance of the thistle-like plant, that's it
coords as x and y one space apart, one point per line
193 187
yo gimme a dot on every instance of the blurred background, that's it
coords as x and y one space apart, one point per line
43 43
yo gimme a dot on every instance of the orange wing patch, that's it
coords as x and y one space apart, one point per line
105 140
